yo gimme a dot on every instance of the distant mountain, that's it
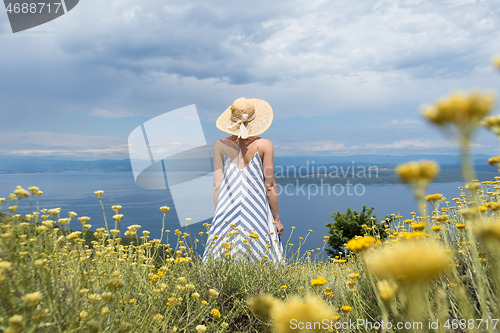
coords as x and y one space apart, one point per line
23 164
15 164
451 160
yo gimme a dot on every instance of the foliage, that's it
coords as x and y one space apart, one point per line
346 226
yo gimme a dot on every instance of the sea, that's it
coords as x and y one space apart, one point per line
302 207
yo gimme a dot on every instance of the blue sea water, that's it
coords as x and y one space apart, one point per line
300 206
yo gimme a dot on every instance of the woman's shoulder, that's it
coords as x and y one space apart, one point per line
265 143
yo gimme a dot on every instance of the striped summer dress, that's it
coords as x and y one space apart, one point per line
243 223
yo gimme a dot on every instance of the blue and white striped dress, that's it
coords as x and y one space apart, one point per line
243 222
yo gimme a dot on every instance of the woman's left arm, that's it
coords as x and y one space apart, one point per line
270 182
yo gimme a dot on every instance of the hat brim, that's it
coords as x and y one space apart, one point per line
260 124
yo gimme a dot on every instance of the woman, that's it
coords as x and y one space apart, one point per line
246 220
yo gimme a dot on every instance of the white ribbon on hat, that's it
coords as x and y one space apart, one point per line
243 133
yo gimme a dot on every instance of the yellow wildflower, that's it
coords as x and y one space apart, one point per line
492 123
346 308
411 261
433 197
5 266
360 243
213 292
319 281
418 172
418 226
460 108
116 283
158 317
83 219
201 328
33 298
261 305
387 289
133 227
21 192
494 161
74 235
309 309
489 230
215 313
16 321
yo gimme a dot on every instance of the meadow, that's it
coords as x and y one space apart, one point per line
439 269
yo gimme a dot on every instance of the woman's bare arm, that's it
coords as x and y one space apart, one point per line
270 182
218 169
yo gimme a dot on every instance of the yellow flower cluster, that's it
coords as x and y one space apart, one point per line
418 226
346 308
460 108
410 261
418 172
295 309
489 230
215 313
319 281
495 161
21 192
360 243
433 197
412 235
33 298
387 289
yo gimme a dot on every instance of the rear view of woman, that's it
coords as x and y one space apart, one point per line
246 221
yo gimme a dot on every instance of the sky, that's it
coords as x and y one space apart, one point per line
343 77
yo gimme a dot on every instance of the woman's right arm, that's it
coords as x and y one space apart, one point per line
218 170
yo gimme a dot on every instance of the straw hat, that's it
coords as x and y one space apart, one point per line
246 117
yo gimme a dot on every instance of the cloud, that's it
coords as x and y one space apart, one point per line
289 40
346 148
119 152
408 144
64 144
104 113
125 62
308 146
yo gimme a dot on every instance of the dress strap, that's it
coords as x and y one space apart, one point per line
224 145
258 145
